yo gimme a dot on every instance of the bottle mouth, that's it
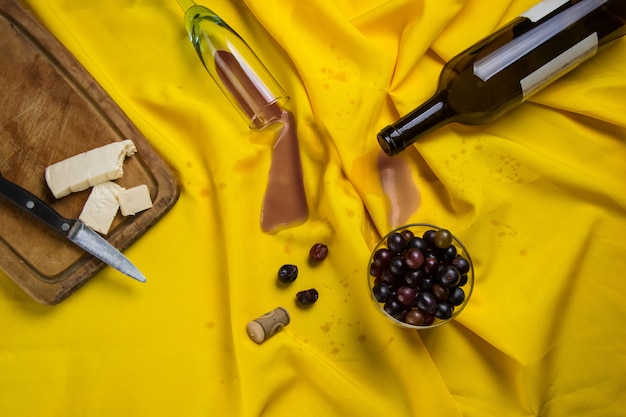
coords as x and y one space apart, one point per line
387 142
269 113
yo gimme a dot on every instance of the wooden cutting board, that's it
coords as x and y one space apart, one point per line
51 109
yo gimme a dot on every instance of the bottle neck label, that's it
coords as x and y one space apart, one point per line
542 9
560 65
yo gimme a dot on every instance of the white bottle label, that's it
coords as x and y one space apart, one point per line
542 9
560 65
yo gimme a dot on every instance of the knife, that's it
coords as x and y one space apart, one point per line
73 229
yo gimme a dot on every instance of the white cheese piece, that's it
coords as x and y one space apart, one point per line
90 168
101 207
133 200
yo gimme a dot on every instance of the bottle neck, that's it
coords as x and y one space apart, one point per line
428 117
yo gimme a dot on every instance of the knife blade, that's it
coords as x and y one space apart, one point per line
73 229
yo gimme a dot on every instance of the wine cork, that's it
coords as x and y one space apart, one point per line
266 326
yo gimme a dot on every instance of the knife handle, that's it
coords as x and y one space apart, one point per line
32 204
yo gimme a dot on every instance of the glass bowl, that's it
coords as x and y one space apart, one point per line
420 276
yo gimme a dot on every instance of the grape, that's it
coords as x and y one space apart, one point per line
406 295
396 243
427 302
457 296
443 311
307 297
397 266
381 292
461 264
287 273
418 243
449 276
414 317
442 238
414 278
382 257
414 258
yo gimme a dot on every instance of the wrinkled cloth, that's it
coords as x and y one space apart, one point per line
538 197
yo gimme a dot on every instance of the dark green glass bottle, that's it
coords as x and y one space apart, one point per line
504 69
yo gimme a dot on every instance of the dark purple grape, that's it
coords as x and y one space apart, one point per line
426 302
442 238
307 297
461 264
287 273
408 234
440 292
406 295
428 319
381 292
457 296
375 270
318 253
428 283
444 311
447 254
429 238
463 280
388 278
414 278
400 315
414 258
418 243
449 276
397 266
430 265
414 317
393 306
396 242
382 257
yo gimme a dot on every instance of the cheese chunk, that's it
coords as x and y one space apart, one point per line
133 200
101 207
90 168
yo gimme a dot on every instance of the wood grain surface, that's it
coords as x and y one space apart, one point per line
51 109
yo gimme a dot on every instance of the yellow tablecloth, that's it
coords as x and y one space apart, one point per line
538 197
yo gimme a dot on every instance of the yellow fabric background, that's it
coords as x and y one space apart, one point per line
538 197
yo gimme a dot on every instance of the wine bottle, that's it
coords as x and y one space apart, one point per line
235 68
504 69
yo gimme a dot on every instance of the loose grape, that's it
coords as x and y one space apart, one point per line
442 238
307 297
463 280
287 273
318 252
